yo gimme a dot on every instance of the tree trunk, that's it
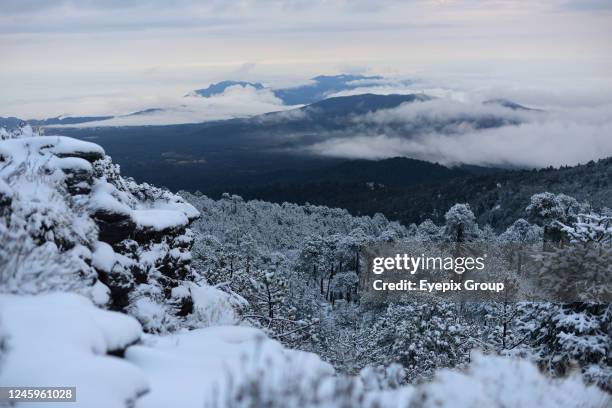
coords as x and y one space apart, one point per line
270 310
331 276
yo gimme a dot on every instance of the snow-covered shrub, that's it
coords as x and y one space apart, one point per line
574 337
152 315
214 307
255 390
285 382
505 383
383 377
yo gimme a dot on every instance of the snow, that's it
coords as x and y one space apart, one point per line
212 306
67 146
186 369
180 292
71 163
186 208
159 215
396 398
71 339
159 220
39 204
61 339
5 189
19 149
100 294
149 313
150 256
501 382
15 151
103 257
102 199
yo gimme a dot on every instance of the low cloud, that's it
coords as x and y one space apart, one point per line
441 111
236 101
552 138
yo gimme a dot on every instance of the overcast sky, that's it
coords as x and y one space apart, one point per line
61 53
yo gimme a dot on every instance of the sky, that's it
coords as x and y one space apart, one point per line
115 56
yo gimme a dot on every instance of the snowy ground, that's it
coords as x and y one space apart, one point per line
62 339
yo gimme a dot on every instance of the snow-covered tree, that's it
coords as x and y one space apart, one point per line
521 232
422 337
547 209
579 331
460 224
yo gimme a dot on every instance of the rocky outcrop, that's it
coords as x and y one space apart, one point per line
64 199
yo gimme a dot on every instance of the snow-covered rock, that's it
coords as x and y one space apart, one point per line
61 339
70 221
159 220
69 147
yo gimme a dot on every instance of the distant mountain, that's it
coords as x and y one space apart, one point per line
317 89
338 114
321 87
220 87
332 113
325 110
361 104
509 104
145 112
66 120
10 122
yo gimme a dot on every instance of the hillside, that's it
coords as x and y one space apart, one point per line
497 198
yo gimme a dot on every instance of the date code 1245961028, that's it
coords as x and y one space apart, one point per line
37 394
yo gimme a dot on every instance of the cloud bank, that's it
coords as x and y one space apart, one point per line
235 102
442 131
